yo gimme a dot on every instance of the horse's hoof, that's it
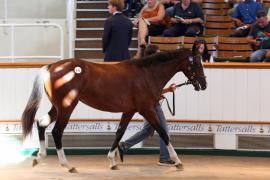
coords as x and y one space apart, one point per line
34 163
73 170
179 167
114 167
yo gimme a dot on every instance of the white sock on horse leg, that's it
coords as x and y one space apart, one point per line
111 157
173 154
41 153
62 158
45 120
42 150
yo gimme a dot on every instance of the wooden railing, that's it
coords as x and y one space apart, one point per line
227 65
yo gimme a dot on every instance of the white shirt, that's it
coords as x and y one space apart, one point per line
116 12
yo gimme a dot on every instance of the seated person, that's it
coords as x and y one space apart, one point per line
187 20
150 22
200 46
233 4
259 37
132 7
243 17
169 5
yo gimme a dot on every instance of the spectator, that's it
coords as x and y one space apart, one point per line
150 22
259 37
187 20
233 4
243 17
117 33
200 46
169 6
132 7
147 129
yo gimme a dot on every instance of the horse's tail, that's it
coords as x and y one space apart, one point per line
31 108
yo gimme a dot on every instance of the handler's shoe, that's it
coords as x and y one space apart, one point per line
166 163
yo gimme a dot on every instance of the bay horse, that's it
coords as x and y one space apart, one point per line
130 86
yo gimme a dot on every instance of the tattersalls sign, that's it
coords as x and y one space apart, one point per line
96 127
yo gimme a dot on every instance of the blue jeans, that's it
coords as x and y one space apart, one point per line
148 130
169 11
258 56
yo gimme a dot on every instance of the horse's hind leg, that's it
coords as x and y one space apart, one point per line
63 116
152 118
125 119
42 124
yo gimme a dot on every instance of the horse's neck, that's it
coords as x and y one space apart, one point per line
165 72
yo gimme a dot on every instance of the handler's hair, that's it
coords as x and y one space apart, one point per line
119 4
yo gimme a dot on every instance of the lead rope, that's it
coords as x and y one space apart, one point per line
172 111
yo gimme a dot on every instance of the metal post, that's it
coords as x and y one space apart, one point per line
70 18
5 12
12 42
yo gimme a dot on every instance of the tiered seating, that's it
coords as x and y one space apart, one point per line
166 43
171 43
90 17
232 48
218 25
211 42
215 7
217 22
228 48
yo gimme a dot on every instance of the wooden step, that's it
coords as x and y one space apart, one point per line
97 43
93 14
85 23
95 33
92 4
94 54
91 22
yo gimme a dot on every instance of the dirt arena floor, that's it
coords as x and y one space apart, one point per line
139 167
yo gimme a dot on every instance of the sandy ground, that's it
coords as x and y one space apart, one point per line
141 167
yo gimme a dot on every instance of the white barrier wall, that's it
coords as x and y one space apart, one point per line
232 94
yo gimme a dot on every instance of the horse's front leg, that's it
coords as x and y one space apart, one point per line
152 117
125 119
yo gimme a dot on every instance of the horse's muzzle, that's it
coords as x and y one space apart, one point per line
199 83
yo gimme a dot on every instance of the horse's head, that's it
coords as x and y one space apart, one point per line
194 72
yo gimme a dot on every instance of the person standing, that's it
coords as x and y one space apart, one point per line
148 130
117 33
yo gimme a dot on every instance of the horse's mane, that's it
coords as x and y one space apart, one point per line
161 57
